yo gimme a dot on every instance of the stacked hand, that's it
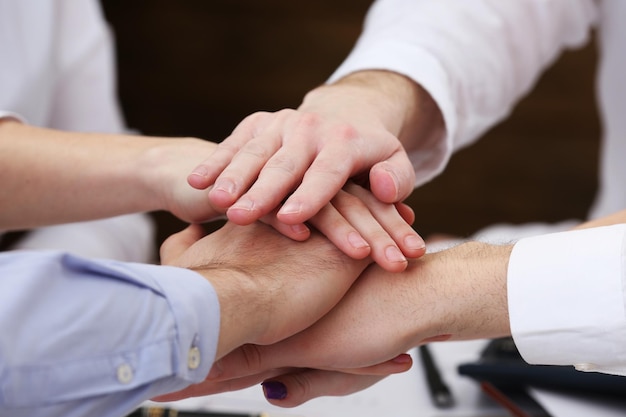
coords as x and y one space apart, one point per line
313 326
291 164
361 328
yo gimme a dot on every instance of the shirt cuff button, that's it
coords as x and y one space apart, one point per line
193 359
124 373
585 367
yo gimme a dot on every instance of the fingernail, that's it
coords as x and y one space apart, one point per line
299 229
393 254
414 242
402 358
357 241
274 390
227 186
290 208
201 171
243 204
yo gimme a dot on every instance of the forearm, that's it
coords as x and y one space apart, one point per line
467 286
51 177
615 218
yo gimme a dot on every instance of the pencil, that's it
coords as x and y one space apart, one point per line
440 394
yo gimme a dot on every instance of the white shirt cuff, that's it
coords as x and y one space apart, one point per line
566 299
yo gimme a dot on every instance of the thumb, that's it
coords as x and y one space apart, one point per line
394 179
174 246
294 389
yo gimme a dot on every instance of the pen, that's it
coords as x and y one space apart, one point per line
439 392
155 411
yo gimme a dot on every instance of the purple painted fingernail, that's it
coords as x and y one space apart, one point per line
274 390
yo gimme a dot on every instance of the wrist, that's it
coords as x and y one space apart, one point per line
403 106
469 282
241 307
485 282
380 96
164 167
152 169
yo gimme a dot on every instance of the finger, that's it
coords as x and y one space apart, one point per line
397 365
249 360
406 212
179 242
277 179
404 237
393 180
293 389
205 173
299 232
243 170
325 177
355 211
209 387
295 136
332 224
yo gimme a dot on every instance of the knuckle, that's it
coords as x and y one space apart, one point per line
282 163
382 237
337 173
254 118
308 120
251 356
346 133
227 147
251 126
303 385
256 150
344 200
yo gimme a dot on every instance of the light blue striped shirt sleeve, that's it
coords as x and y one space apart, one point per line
83 337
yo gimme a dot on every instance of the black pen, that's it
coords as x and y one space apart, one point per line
156 411
440 394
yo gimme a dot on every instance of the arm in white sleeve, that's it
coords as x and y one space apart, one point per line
129 238
69 85
567 296
476 59
85 93
81 337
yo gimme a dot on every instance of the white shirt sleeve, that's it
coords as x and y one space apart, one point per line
127 238
476 58
567 295
57 70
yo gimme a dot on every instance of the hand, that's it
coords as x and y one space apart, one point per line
351 129
269 287
356 222
459 293
340 131
360 225
359 127
166 163
311 150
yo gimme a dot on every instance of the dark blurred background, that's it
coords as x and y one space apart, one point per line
197 68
